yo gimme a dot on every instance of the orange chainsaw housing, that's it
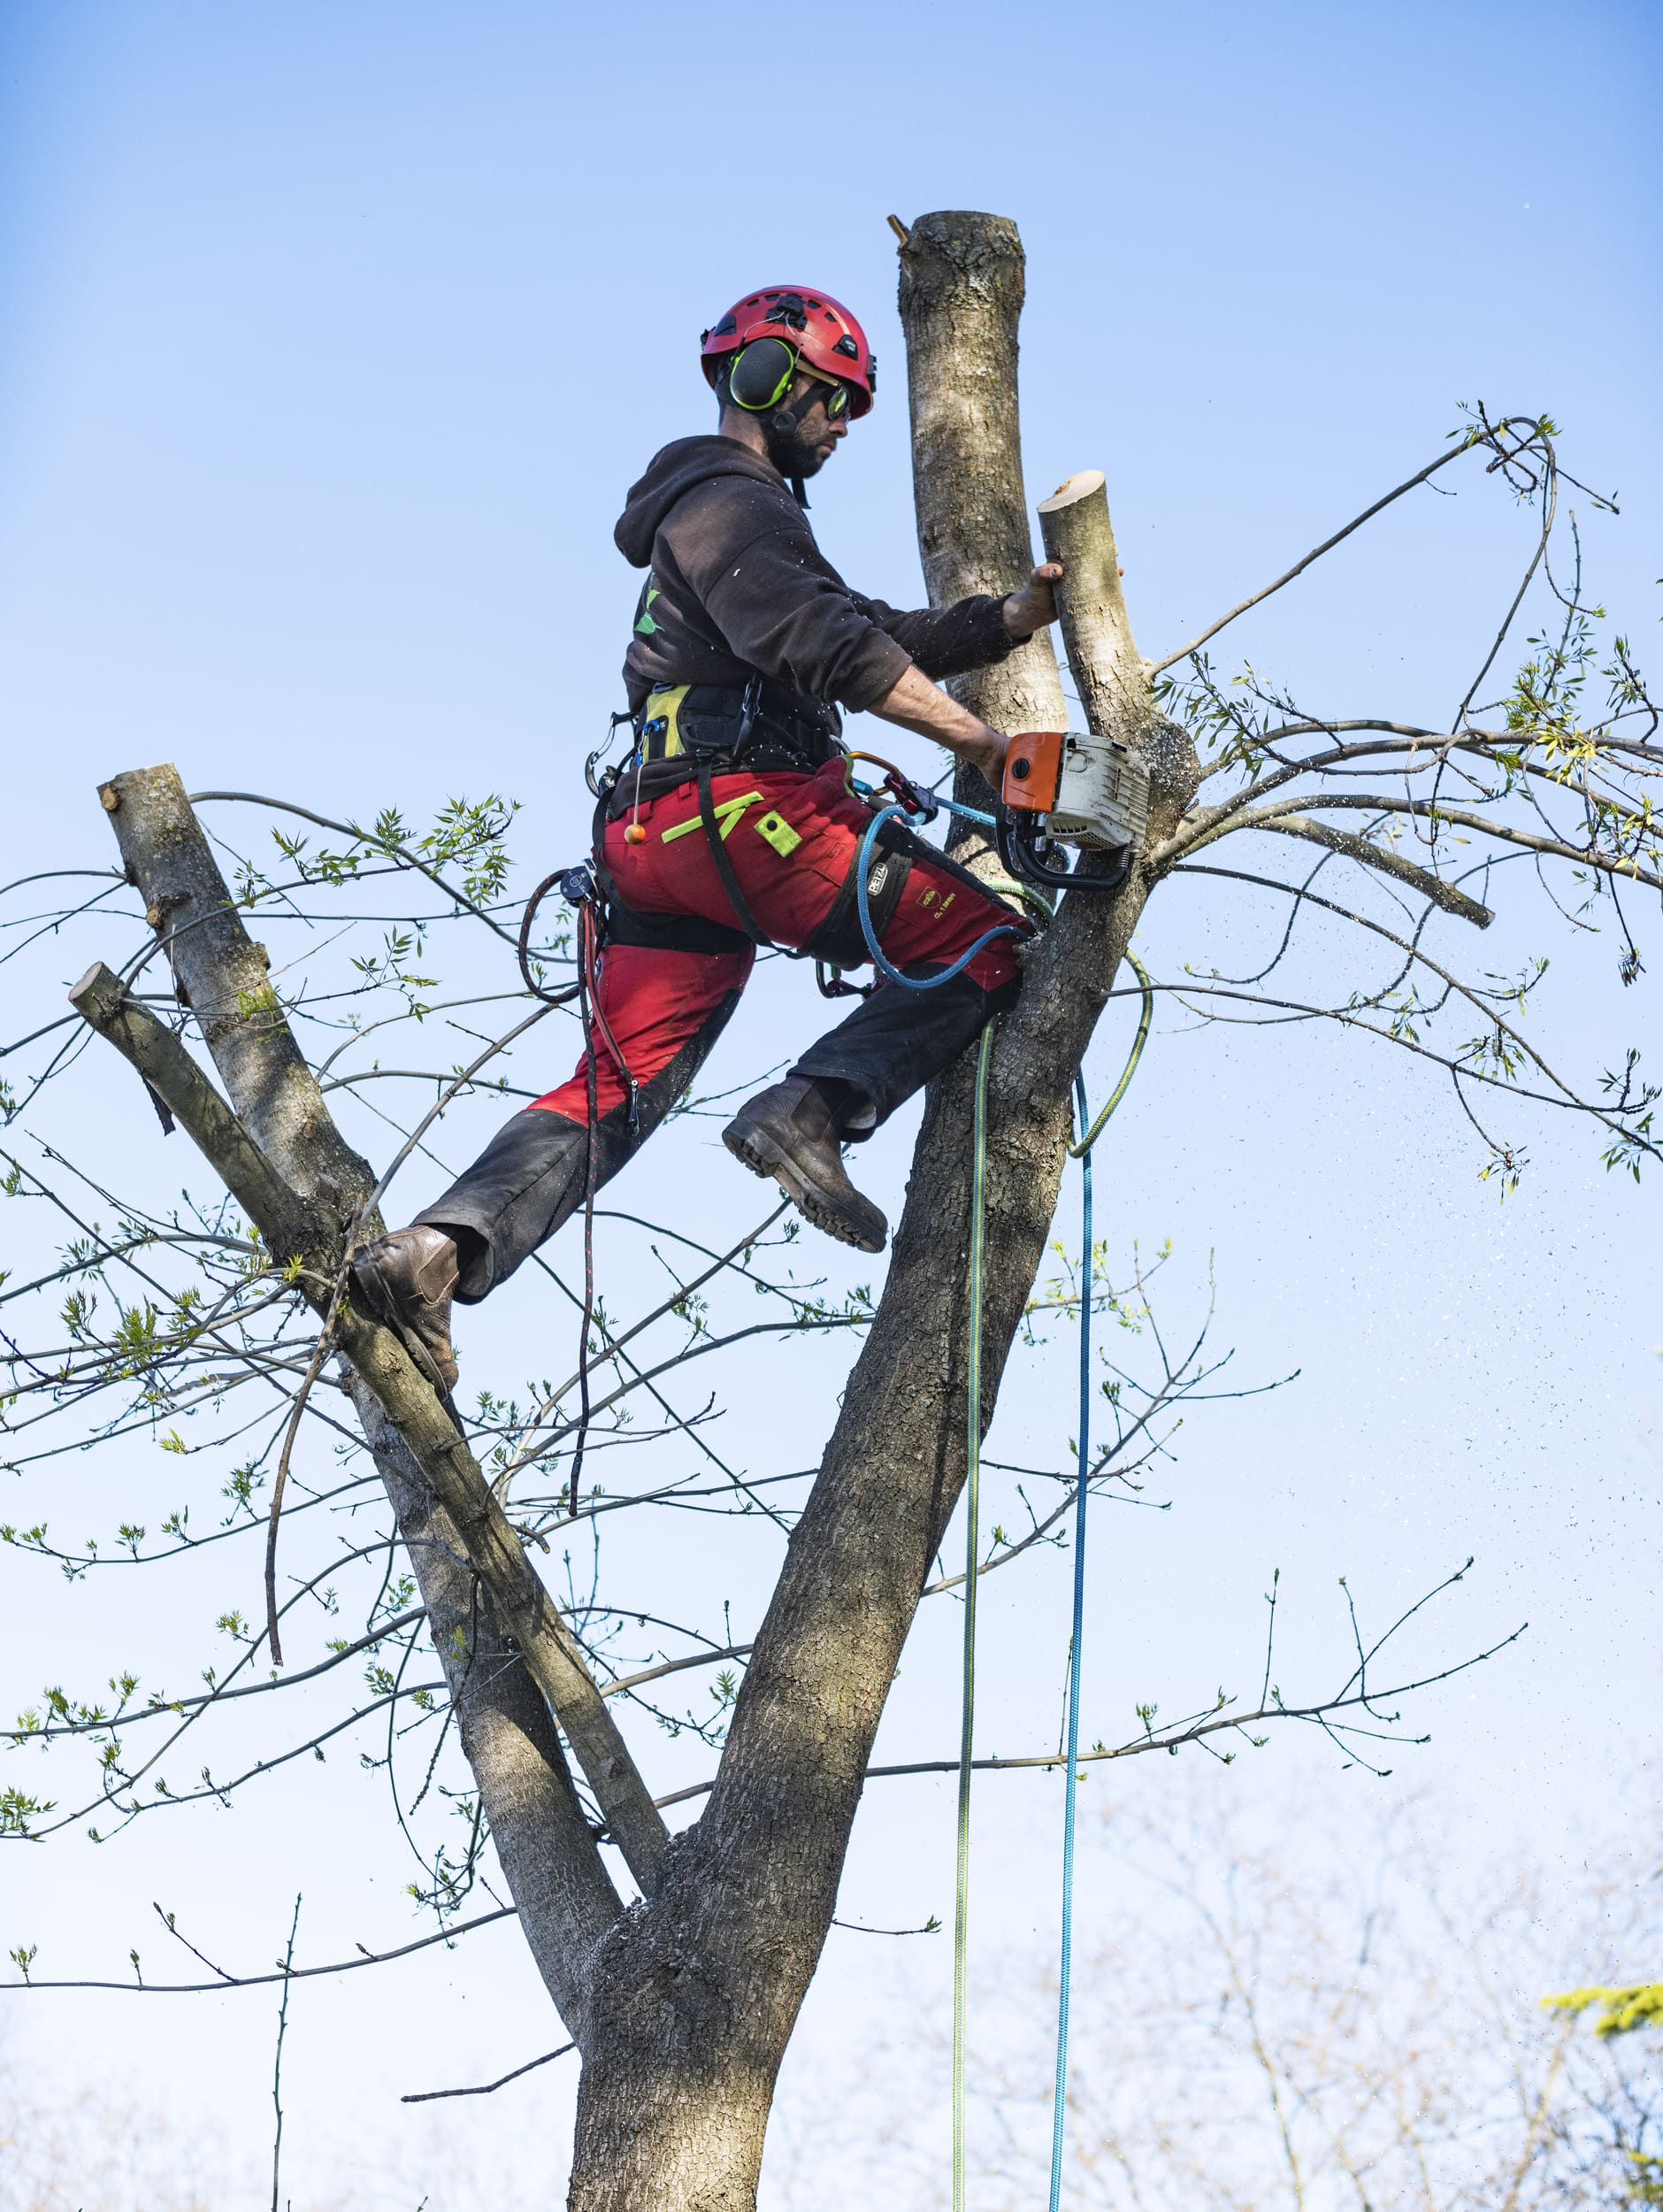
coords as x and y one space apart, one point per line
1033 769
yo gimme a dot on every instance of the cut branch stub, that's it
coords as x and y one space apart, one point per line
101 1000
220 974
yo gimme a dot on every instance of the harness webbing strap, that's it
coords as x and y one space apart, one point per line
736 900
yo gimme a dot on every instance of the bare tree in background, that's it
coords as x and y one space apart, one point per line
678 1960
1324 2024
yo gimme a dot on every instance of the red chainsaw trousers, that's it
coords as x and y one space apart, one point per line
793 840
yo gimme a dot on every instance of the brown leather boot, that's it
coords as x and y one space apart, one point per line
407 1280
789 1131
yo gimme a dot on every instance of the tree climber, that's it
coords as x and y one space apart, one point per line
734 824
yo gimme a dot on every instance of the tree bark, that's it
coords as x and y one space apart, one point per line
962 285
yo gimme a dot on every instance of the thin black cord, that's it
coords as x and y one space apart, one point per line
585 954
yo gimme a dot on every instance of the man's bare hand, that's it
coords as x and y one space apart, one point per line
987 753
1035 605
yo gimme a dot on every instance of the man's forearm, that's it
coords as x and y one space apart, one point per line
915 704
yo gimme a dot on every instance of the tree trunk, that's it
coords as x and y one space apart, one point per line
700 1986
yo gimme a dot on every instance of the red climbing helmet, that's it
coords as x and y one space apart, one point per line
825 335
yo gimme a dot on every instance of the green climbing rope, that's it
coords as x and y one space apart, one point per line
1078 1151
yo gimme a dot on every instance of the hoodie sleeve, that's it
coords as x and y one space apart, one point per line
947 640
747 554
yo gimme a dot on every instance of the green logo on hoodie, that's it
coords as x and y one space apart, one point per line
647 627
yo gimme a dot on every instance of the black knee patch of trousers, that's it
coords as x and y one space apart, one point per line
531 1178
895 1041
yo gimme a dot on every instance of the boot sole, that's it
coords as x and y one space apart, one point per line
764 1157
379 1299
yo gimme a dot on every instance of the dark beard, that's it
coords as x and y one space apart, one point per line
793 453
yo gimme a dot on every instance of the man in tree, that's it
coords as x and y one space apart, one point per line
734 824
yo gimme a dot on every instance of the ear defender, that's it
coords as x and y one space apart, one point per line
762 374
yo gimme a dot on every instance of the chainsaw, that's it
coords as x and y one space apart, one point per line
1071 787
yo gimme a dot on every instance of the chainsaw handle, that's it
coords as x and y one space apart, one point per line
1025 864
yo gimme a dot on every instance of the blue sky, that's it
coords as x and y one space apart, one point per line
330 339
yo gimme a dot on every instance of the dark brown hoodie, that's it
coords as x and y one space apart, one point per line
737 585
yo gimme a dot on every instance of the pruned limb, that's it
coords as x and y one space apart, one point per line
522 1604
504 1700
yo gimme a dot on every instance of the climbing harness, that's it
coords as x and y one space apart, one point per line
1081 1150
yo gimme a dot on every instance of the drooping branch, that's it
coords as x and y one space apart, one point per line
1448 896
1434 810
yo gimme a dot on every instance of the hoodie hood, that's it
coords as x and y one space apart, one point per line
670 475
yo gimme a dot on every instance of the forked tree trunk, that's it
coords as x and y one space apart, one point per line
699 1990
683 2004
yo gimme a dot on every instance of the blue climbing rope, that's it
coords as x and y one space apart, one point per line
886 967
1082 1151
972 1525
